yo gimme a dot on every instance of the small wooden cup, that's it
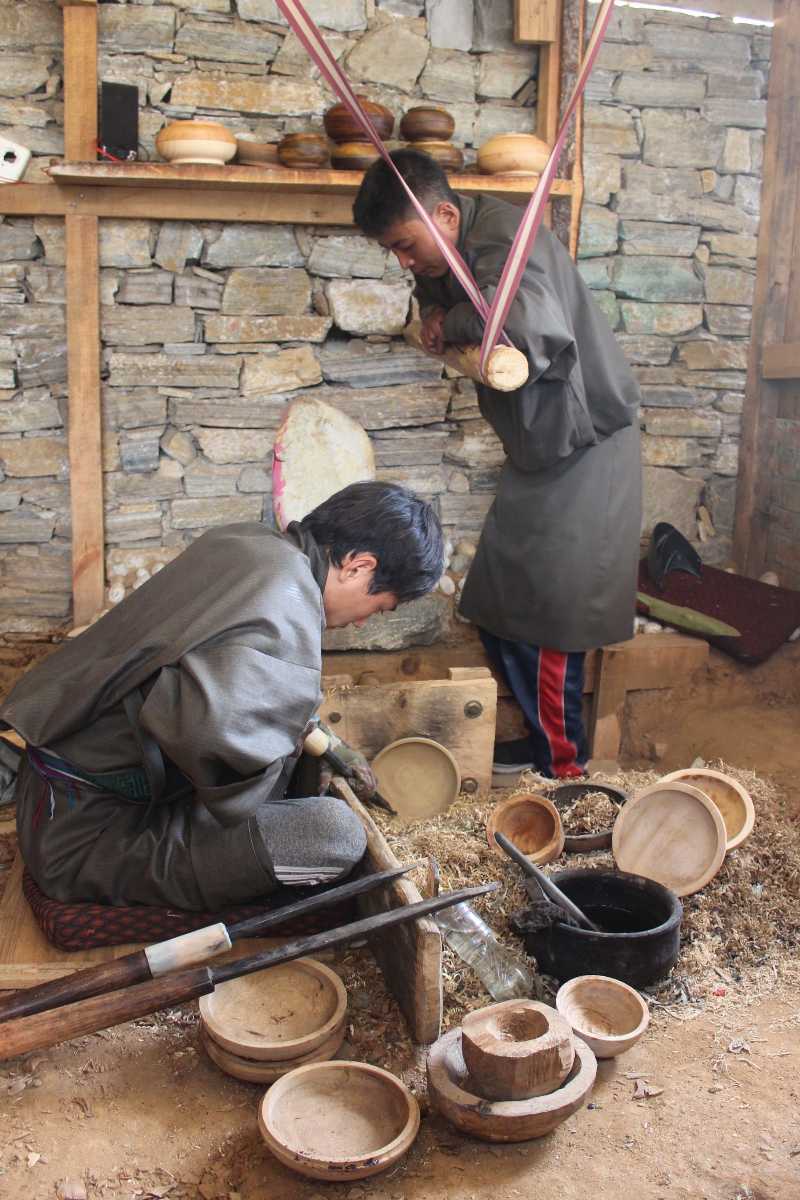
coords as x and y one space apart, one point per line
532 823
606 1013
517 1049
304 151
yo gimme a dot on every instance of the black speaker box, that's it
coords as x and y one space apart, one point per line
119 121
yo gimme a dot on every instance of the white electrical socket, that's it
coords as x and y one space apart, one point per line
13 160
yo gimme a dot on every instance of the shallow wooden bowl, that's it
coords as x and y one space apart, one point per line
673 833
341 126
733 801
532 823
517 1049
256 153
453 1094
427 122
280 1013
353 156
513 154
304 151
251 1070
196 142
609 1015
448 156
338 1121
419 777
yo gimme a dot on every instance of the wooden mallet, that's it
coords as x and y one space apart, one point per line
506 370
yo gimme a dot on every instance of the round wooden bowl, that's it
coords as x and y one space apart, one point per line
517 1049
673 833
732 800
338 1121
427 122
419 777
513 154
196 142
280 1013
531 822
353 156
448 156
565 794
341 126
250 1070
304 150
606 1013
256 153
453 1094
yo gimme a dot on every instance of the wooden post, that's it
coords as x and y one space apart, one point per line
83 322
536 20
608 704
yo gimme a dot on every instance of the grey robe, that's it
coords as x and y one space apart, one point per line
557 559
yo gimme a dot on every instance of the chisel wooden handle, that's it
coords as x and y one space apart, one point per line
45 1029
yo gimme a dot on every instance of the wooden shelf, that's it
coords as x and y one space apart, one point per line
238 177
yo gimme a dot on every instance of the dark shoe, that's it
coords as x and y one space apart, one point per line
513 756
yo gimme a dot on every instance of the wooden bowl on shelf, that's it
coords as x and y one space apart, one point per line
338 1121
448 156
283 1012
609 1015
341 126
304 151
427 122
196 142
513 154
532 823
254 152
517 1049
733 801
353 156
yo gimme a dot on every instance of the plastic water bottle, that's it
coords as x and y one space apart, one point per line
503 973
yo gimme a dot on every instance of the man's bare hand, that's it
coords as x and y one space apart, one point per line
432 332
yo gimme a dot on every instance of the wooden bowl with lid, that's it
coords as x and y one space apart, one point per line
353 156
304 151
341 125
196 142
448 156
513 154
427 122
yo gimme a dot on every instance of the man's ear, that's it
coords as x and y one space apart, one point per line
358 563
447 216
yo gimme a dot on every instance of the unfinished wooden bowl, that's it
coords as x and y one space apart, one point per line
517 1049
448 156
531 822
304 151
341 126
196 142
419 777
254 152
338 1121
353 156
513 154
280 1013
427 122
606 1013
733 801
250 1070
673 833
453 1094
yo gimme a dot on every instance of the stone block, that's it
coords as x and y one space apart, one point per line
639 348
599 232
733 245
35 409
388 408
726 459
217 510
146 325
732 402
670 451
595 272
656 278
132 408
393 55
448 76
601 176
610 131
642 179
736 152
21 74
161 370
32 24
253 245
284 371
464 512
608 304
42 362
139 448
267 291
502 74
449 24
234 42
150 28
497 118
178 242
648 89
720 499
616 56
197 292
742 85
728 285
241 330
357 364
475 445
681 422
747 194
670 496
28 456
18 240
657 237
342 15
409 447
276 96
293 58
705 355
125 243
254 479
228 412
738 112
667 396
147 286
32 320
680 139
26 524
699 49
600 87
369 306
347 257
715 380
133 523
203 479
427 481
161 484
235 445
493 27
177 444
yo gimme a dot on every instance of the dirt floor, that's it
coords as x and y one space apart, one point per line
139 1111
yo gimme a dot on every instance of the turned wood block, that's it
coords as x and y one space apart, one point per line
517 1049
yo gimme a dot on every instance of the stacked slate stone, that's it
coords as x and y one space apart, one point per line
210 328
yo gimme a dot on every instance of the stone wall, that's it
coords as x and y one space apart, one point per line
209 328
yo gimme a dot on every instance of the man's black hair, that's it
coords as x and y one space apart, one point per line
382 199
384 519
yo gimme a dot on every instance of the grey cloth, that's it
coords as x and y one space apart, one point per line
557 560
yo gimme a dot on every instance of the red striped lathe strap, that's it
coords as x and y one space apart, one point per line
528 227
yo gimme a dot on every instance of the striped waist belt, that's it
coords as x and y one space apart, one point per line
130 782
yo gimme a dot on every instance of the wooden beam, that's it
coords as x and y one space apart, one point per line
536 21
548 95
781 361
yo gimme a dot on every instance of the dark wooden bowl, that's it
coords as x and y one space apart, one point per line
448 156
304 150
340 125
426 122
353 156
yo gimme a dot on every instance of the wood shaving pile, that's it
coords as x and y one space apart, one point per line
591 813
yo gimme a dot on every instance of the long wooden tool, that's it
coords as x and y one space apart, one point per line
548 887
100 1012
318 744
185 950
506 370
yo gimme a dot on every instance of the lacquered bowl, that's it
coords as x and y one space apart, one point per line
353 156
304 150
513 154
448 156
341 126
196 142
427 122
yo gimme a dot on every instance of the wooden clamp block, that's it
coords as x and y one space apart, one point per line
517 1049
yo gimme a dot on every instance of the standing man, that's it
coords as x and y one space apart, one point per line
555 571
